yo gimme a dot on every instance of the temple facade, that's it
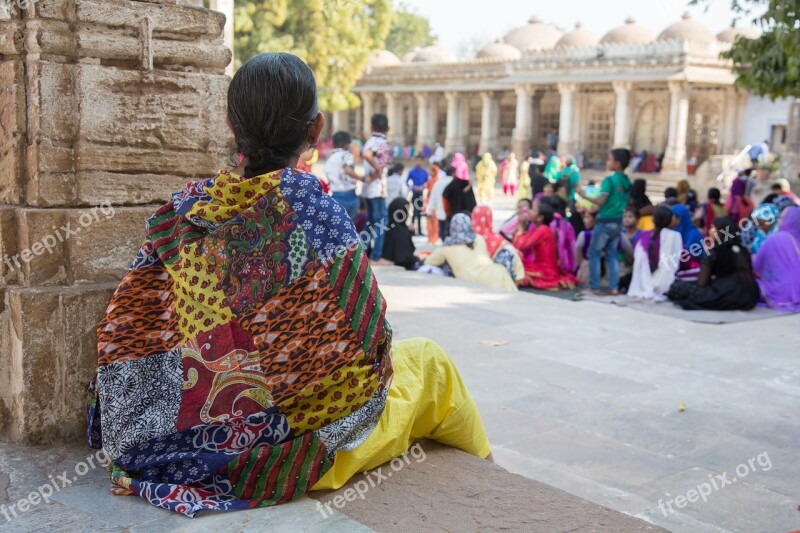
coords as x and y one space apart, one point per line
537 88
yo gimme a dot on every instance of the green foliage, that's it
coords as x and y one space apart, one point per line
409 30
770 65
335 38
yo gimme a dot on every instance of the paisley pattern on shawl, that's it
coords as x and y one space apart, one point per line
244 347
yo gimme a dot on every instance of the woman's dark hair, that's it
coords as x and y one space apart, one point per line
341 139
547 212
450 170
670 192
621 156
633 211
728 236
662 218
714 194
272 103
527 201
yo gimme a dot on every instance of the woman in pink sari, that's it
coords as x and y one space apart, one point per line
777 264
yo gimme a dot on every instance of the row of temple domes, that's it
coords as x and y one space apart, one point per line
537 35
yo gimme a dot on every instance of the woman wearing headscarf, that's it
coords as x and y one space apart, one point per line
641 202
739 203
468 258
777 265
726 281
399 246
461 166
694 250
458 195
486 173
765 223
509 175
500 250
245 358
431 221
655 258
552 169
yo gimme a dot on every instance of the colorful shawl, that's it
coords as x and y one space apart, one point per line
460 231
482 225
462 168
692 240
777 265
245 346
552 169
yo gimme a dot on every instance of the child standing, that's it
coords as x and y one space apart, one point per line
341 173
614 196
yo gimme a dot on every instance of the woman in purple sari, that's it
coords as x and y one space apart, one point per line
777 264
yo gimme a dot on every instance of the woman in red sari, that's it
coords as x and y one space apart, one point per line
542 271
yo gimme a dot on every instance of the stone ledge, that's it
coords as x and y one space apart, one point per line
449 490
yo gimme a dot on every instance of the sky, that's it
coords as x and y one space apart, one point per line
456 22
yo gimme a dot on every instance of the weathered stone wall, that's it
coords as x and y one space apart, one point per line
106 106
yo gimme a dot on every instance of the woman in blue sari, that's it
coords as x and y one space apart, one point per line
694 250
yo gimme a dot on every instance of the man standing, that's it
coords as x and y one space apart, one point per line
614 196
417 179
377 155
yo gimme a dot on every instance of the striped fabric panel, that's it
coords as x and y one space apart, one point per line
357 289
169 231
270 475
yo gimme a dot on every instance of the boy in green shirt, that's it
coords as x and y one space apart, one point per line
614 196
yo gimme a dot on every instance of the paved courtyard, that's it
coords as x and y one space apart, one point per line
583 396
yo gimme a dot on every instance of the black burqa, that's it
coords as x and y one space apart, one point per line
398 247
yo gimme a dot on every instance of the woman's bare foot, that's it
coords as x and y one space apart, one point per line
490 457
380 262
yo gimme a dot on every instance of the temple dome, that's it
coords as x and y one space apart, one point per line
578 37
409 56
729 35
434 54
499 50
382 58
687 30
628 33
536 35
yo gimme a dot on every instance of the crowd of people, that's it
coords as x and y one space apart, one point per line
607 238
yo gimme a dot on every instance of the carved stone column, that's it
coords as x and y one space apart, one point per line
675 156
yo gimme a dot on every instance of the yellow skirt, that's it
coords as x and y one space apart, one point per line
427 399
646 223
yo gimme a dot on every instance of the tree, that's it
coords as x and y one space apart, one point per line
769 65
335 38
409 30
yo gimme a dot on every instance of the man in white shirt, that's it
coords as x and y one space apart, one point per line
395 184
436 202
341 174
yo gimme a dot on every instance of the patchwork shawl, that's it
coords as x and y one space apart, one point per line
244 347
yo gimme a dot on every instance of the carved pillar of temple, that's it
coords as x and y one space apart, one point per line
426 120
394 112
95 138
622 114
455 137
523 130
367 110
490 122
566 141
675 156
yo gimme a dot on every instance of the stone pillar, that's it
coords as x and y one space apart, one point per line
524 122
490 122
89 151
675 156
226 8
368 109
622 121
426 120
394 112
339 121
730 127
566 143
455 138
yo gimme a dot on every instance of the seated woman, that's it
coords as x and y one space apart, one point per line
398 247
694 251
777 265
499 249
642 204
655 258
245 357
726 280
765 223
705 214
542 270
468 258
